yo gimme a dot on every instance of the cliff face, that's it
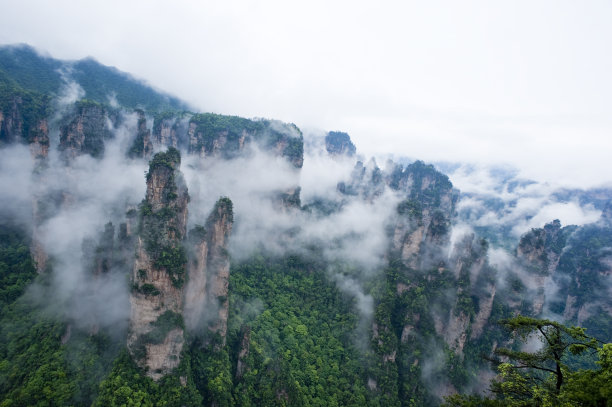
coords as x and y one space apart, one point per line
11 121
206 297
440 294
575 260
170 293
366 182
540 249
168 130
143 145
469 265
156 335
422 228
23 121
84 131
39 140
210 135
338 143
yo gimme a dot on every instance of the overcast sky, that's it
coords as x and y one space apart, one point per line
527 83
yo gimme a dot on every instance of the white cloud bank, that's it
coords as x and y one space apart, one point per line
521 82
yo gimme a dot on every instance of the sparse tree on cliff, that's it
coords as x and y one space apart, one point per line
540 377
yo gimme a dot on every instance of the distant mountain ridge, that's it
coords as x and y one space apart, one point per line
35 72
227 285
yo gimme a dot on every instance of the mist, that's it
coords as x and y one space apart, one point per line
73 203
498 197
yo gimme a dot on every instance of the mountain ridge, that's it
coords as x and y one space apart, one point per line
366 293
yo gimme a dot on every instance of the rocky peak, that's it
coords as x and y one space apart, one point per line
169 129
142 146
23 120
215 135
286 141
39 140
11 121
156 336
339 143
423 219
539 249
366 181
423 183
166 188
206 299
84 130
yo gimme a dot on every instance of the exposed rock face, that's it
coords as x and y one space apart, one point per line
575 260
366 181
20 122
220 225
167 131
288 199
206 293
339 143
169 294
39 255
482 318
196 295
103 255
39 140
11 122
541 248
156 324
467 264
539 252
211 135
142 146
111 252
423 223
84 131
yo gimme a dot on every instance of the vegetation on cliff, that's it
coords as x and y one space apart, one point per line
34 72
303 324
544 377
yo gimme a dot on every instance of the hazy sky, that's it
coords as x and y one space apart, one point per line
522 82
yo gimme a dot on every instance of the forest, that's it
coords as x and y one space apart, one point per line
155 256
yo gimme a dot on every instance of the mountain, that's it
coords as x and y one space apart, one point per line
252 264
31 71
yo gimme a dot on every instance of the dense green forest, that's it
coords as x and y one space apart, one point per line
292 340
300 340
45 75
296 305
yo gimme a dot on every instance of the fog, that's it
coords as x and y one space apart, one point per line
477 82
75 202
498 197
75 199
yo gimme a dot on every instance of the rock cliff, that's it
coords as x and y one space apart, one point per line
422 227
142 146
178 283
156 336
170 130
84 130
206 297
339 143
211 135
366 181
574 260
23 119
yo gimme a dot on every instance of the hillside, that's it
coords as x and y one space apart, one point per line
35 72
252 264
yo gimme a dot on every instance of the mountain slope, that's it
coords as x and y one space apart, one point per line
35 72
257 270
